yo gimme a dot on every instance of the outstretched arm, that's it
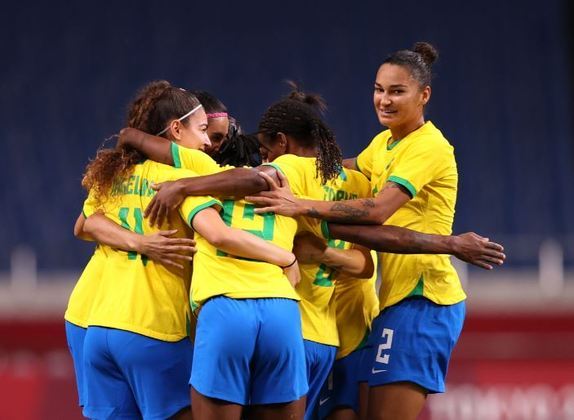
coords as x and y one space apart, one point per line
468 247
234 183
280 200
154 147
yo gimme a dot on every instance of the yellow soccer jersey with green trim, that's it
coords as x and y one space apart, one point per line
423 162
317 283
135 293
81 298
195 160
217 273
356 305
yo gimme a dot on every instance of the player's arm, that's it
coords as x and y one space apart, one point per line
154 147
234 183
468 247
160 247
79 229
280 200
208 223
350 163
356 262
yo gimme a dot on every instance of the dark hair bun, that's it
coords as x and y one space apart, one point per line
428 53
312 99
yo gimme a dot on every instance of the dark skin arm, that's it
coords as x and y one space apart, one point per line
350 163
156 148
280 200
468 247
234 183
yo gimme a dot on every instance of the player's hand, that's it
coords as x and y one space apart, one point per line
309 249
477 250
293 274
168 197
278 199
129 136
161 247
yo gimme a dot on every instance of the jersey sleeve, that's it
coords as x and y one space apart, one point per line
422 163
195 160
364 161
90 205
191 206
288 165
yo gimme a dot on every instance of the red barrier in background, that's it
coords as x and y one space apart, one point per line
504 367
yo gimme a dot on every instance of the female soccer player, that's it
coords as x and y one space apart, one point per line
291 146
137 350
414 179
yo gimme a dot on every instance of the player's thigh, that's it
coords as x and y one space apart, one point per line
109 392
279 374
157 371
224 346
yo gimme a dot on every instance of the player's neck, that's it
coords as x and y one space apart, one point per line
302 151
400 132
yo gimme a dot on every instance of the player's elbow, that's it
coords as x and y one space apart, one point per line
219 238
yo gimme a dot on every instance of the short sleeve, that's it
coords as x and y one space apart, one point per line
421 163
194 160
191 206
90 204
364 161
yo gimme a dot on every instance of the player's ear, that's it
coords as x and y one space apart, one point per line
282 140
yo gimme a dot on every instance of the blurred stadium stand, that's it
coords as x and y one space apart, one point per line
503 95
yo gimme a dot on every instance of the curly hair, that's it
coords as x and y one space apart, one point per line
153 107
299 116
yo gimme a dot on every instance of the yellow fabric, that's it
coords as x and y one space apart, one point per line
319 321
216 273
423 162
195 160
356 305
135 293
81 298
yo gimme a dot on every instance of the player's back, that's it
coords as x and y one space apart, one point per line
135 293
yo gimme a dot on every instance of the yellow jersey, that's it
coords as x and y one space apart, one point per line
135 293
217 273
81 298
317 280
423 162
356 305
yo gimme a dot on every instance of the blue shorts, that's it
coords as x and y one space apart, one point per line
129 375
319 359
75 336
412 342
341 390
249 351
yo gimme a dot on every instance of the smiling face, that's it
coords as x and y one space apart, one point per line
398 98
193 132
217 130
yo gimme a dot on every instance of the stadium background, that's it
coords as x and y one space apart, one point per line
503 95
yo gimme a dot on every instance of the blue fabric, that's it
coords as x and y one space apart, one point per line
75 336
319 360
342 386
249 351
132 376
412 341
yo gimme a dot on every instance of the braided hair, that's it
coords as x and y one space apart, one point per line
299 116
155 105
